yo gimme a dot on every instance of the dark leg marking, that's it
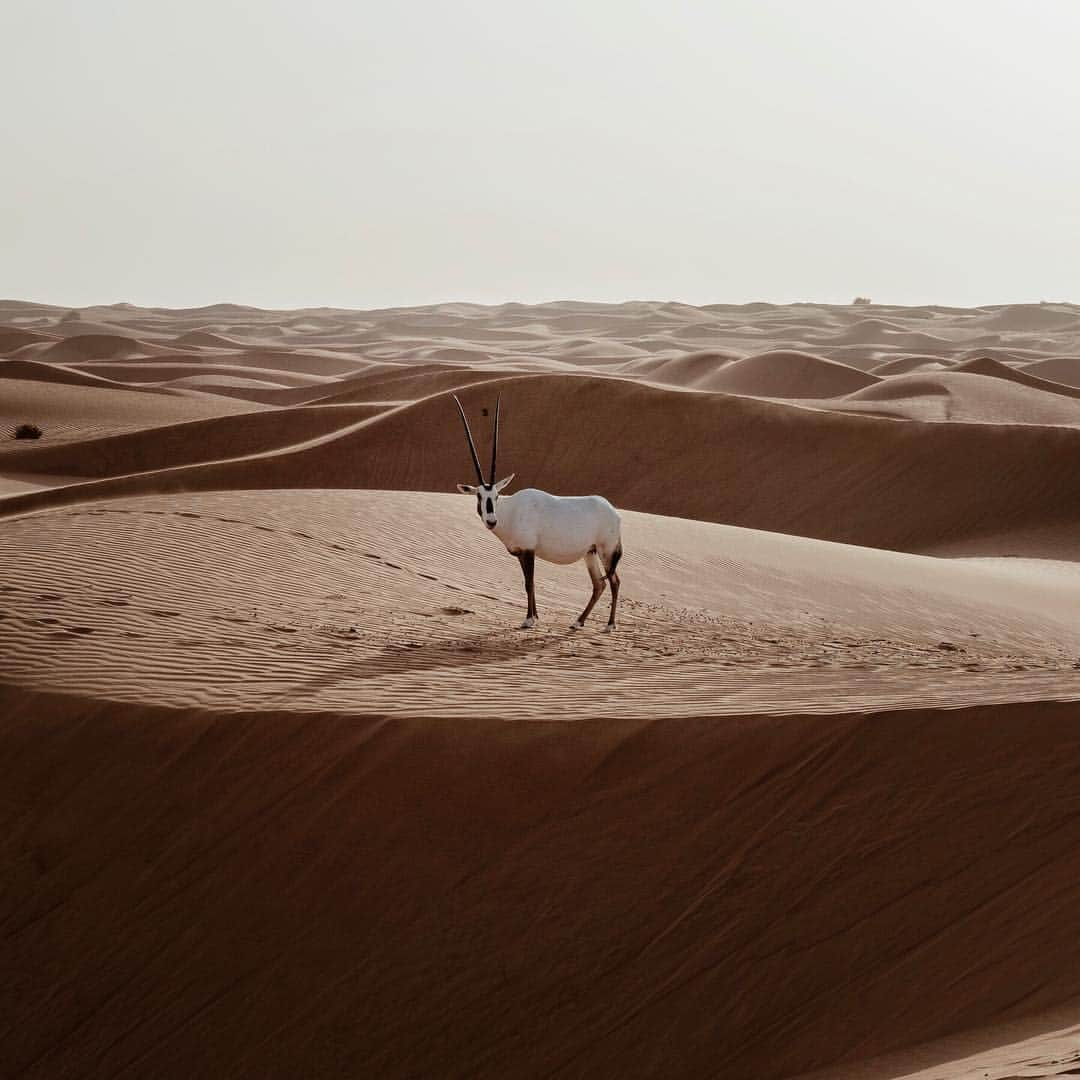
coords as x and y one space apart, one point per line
528 563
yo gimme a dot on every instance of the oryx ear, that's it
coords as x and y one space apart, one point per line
467 489
502 483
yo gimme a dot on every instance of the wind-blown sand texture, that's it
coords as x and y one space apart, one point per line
287 793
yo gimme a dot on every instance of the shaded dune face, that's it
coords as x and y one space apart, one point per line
347 896
286 793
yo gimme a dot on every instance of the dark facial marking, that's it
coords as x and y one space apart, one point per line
490 508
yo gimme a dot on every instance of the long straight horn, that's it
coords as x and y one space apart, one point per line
472 445
495 439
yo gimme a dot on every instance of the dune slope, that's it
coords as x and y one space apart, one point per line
282 895
712 457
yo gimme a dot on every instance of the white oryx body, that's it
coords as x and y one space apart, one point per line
556 528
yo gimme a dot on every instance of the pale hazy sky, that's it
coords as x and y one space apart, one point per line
362 154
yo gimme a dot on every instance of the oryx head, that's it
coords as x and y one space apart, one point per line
487 494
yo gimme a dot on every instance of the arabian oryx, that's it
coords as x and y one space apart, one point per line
555 528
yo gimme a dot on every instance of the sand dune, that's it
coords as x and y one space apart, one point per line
163 370
706 456
1035 317
693 370
209 340
1059 369
789 374
711 878
984 365
988 397
395 383
807 613
906 365
35 371
82 347
14 337
283 794
170 445
65 411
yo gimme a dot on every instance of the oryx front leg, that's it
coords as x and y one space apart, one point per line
528 563
596 575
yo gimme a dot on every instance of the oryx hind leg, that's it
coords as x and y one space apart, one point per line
613 577
596 575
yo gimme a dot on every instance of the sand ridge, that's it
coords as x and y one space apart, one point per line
715 617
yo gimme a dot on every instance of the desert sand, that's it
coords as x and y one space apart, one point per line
288 793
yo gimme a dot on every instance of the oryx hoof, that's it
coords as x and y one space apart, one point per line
609 627
528 624
579 625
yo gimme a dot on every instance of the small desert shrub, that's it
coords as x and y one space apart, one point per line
28 431
862 301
